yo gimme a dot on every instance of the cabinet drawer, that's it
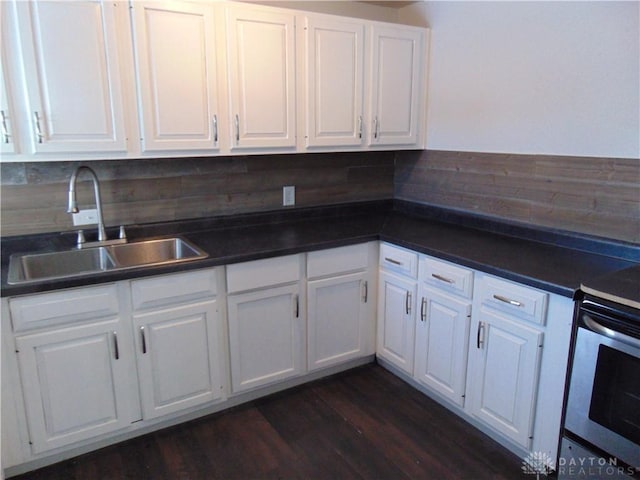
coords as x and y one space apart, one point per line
263 273
448 277
337 260
170 289
525 302
399 260
63 307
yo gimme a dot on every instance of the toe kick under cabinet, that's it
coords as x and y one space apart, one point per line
491 350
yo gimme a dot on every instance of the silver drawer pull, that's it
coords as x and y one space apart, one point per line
391 260
443 279
515 303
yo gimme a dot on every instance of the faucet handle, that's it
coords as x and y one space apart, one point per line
80 240
123 234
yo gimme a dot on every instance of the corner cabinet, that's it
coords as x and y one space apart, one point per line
397 85
261 77
177 75
71 60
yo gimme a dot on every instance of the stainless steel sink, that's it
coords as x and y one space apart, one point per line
153 252
45 266
25 268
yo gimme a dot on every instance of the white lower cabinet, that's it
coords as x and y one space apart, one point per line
178 347
75 383
340 312
504 367
442 334
266 325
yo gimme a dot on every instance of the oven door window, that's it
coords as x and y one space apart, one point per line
615 400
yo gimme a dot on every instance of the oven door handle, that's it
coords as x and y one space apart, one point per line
607 332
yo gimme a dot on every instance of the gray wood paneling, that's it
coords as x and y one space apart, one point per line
34 195
597 196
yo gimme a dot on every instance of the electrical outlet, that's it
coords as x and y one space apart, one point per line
288 196
85 217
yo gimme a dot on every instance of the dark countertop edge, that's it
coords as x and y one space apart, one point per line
305 214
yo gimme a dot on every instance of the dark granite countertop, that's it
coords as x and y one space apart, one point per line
552 261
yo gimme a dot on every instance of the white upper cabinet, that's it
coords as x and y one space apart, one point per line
334 80
74 96
7 139
396 105
175 48
261 76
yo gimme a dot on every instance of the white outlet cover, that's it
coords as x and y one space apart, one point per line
85 217
288 196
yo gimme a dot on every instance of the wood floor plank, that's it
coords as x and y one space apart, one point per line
362 424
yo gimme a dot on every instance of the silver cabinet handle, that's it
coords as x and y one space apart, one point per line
443 279
360 126
515 303
237 122
391 260
144 340
423 310
375 127
6 137
407 303
365 295
215 129
36 121
116 350
479 334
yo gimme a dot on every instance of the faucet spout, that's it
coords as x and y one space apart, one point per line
73 202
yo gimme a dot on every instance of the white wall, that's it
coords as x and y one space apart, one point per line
533 77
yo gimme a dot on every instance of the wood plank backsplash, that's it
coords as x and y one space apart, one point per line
34 195
597 196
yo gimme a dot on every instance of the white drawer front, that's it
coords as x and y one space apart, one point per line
62 307
399 260
333 261
169 289
448 277
525 302
263 273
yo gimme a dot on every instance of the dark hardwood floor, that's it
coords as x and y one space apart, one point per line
361 424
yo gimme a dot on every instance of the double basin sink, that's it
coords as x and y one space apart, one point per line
25 268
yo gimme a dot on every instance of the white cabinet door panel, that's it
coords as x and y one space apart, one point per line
337 320
504 375
397 56
335 81
75 383
396 326
261 69
175 47
72 73
178 358
265 337
442 344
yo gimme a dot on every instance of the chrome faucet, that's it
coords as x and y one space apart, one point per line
73 202
73 208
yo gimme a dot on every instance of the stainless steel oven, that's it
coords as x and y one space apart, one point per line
603 403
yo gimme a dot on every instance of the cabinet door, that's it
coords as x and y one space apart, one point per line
179 359
175 47
396 321
75 383
7 120
504 365
442 336
397 55
72 75
335 81
261 69
265 337
337 319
